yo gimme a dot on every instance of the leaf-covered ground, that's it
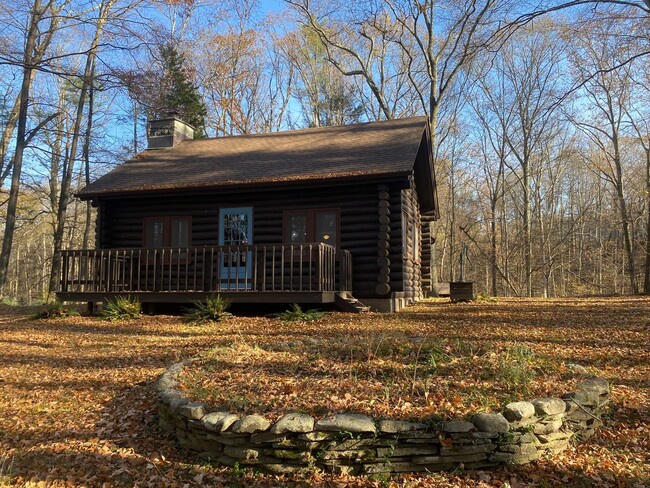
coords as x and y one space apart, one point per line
77 405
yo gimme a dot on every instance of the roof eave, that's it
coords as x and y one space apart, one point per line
82 195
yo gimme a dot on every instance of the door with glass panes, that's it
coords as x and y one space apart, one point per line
235 229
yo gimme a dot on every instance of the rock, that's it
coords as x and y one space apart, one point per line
287 454
237 452
229 440
398 426
297 444
453 426
347 422
398 467
598 385
518 411
555 436
293 422
513 458
518 448
166 382
549 406
351 444
548 427
167 396
577 368
194 410
456 458
177 403
523 424
251 424
267 437
218 421
491 422
519 438
458 450
473 437
590 398
388 452
420 435
356 455
316 436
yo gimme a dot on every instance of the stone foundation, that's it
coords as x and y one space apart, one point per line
357 444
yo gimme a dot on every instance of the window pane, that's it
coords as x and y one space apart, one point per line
326 228
154 233
180 233
297 229
235 229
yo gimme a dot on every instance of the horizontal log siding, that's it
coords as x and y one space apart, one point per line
122 220
411 272
428 238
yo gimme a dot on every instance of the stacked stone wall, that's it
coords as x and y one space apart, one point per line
358 444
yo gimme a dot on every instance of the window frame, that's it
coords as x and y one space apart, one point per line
411 228
311 213
167 230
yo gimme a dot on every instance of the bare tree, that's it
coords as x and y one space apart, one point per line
87 80
43 21
608 94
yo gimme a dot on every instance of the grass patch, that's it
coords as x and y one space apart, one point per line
392 374
213 309
297 314
121 308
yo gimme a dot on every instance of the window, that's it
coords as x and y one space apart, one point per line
312 226
167 232
410 233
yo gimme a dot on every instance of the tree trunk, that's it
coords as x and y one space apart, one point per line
86 156
12 202
88 76
625 218
646 282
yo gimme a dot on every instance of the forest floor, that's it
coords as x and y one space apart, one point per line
77 404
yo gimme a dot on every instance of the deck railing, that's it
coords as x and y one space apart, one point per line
261 268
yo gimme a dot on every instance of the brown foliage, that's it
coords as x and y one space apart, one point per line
77 406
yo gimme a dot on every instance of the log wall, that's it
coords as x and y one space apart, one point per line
412 244
370 223
428 240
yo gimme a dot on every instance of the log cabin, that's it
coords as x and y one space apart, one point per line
336 215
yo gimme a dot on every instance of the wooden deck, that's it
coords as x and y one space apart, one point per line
306 273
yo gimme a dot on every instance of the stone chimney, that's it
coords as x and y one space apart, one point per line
168 132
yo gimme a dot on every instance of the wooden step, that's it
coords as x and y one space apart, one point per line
349 304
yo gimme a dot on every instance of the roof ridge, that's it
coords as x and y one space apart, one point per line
322 128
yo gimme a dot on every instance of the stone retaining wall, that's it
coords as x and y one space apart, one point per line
358 444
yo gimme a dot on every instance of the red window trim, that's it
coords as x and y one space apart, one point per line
167 221
311 213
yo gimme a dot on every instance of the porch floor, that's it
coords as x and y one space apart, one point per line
194 296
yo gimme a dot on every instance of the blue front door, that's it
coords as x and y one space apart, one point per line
235 229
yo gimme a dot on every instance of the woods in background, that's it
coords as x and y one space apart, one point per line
540 118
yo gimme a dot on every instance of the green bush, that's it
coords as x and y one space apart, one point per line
297 314
56 310
121 308
214 309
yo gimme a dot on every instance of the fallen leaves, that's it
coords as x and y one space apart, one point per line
77 405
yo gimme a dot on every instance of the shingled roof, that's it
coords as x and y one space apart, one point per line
375 148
